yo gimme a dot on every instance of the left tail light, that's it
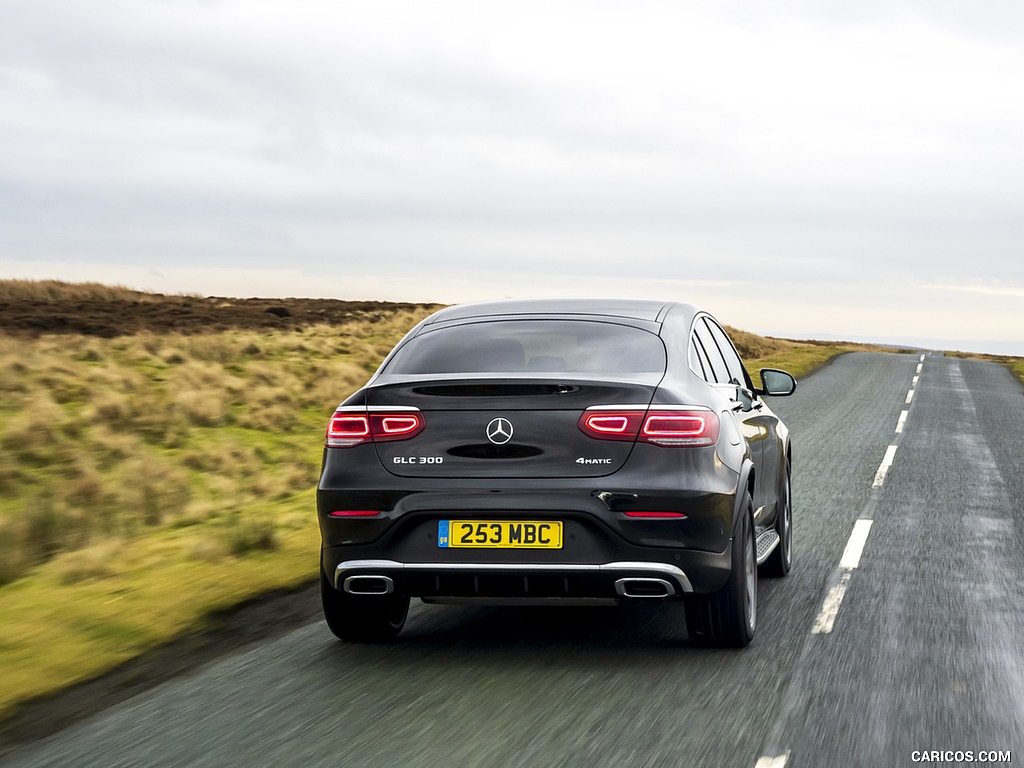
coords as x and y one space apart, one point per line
351 426
661 425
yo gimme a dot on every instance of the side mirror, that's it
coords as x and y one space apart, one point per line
777 383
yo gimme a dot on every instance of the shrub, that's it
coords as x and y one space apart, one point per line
243 536
202 407
90 564
15 560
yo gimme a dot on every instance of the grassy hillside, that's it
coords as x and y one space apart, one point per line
148 478
110 438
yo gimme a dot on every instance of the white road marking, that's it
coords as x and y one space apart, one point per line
902 422
910 396
922 358
883 468
830 608
855 546
920 367
847 564
916 379
772 762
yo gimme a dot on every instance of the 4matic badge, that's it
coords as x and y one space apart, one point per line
582 460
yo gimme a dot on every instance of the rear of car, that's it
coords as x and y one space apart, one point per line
525 452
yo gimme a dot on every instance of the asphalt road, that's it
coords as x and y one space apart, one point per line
863 656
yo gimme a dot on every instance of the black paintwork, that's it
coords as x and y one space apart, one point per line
536 476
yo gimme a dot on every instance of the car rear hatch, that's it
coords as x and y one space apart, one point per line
507 427
501 397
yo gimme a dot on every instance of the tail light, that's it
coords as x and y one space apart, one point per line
351 426
660 425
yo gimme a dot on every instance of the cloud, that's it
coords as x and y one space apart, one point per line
570 144
983 290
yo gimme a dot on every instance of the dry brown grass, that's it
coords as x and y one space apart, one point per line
103 440
58 291
92 563
754 347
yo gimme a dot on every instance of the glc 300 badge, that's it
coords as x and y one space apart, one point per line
499 430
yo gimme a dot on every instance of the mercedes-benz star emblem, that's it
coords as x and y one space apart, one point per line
499 431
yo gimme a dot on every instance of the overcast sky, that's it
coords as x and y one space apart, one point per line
828 169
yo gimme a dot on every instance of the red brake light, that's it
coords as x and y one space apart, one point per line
611 425
369 425
660 425
695 428
348 428
396 426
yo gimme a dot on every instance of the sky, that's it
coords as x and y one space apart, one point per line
805 169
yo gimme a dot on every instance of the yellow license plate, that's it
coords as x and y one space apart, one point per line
500 534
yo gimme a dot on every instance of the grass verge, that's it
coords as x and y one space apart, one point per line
77 617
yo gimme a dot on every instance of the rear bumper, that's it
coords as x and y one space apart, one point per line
623 578
531 580
399 540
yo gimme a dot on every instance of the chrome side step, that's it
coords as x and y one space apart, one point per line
766 544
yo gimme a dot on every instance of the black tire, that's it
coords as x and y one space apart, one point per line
358 619
728 618
780 561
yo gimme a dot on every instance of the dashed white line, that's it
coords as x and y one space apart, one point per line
902 421
855 546
883 468
850 560
830 608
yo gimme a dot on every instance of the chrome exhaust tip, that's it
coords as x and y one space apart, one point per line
368 585
638 587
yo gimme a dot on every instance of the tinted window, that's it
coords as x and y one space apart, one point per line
542 346
698 361
732 360
719 372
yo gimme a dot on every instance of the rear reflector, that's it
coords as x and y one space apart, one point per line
660 425
350 426
354 513
662 515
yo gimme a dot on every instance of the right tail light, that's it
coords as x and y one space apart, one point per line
668 426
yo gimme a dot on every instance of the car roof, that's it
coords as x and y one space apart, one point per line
640 311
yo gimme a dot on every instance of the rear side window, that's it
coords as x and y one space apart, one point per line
716 370
732 360
538 346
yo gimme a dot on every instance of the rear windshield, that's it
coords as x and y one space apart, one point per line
541 346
